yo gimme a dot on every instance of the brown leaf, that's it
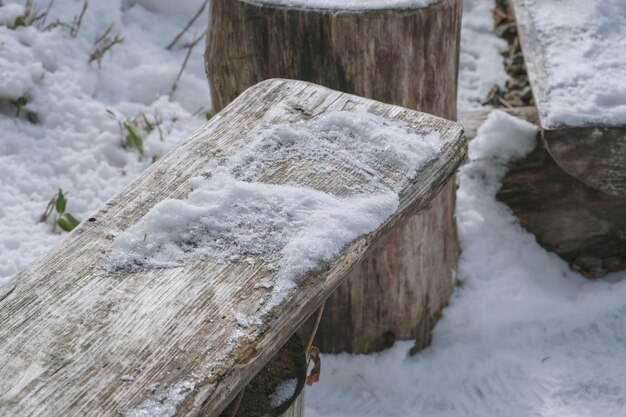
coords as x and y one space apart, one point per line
314 376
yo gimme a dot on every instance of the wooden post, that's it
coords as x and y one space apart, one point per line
407 57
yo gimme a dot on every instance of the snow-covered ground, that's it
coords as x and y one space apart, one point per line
76 145
523 336
480 66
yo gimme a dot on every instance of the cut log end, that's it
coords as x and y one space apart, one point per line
594 155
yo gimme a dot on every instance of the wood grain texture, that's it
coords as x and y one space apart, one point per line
399 56
71 330
584 226
595 154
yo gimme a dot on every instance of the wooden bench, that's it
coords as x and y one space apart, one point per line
111 321
575 52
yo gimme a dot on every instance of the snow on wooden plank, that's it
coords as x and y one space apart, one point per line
146 310
575 53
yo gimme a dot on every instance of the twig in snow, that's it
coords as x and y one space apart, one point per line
105 44
79 21
104 35
189 47
44 16
28 9
193 19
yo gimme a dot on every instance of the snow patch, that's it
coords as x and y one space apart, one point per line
9 13
75 145
364 140
163 402
503 138
481 65
285 391
226 218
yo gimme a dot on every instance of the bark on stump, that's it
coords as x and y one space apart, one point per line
407 57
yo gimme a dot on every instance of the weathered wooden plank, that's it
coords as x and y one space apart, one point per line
79 339
596 155
589 145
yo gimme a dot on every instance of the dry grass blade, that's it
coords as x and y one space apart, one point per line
104 35
191 22
42 17
103 46
189 47
79 20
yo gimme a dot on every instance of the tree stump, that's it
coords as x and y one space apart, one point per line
403 56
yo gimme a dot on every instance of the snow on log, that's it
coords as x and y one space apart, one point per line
179 290
403 52
575 52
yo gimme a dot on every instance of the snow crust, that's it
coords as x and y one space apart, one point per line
358 141
584 44
76 146
227 217
523 336
352 4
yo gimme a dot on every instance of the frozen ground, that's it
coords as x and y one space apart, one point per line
523 336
